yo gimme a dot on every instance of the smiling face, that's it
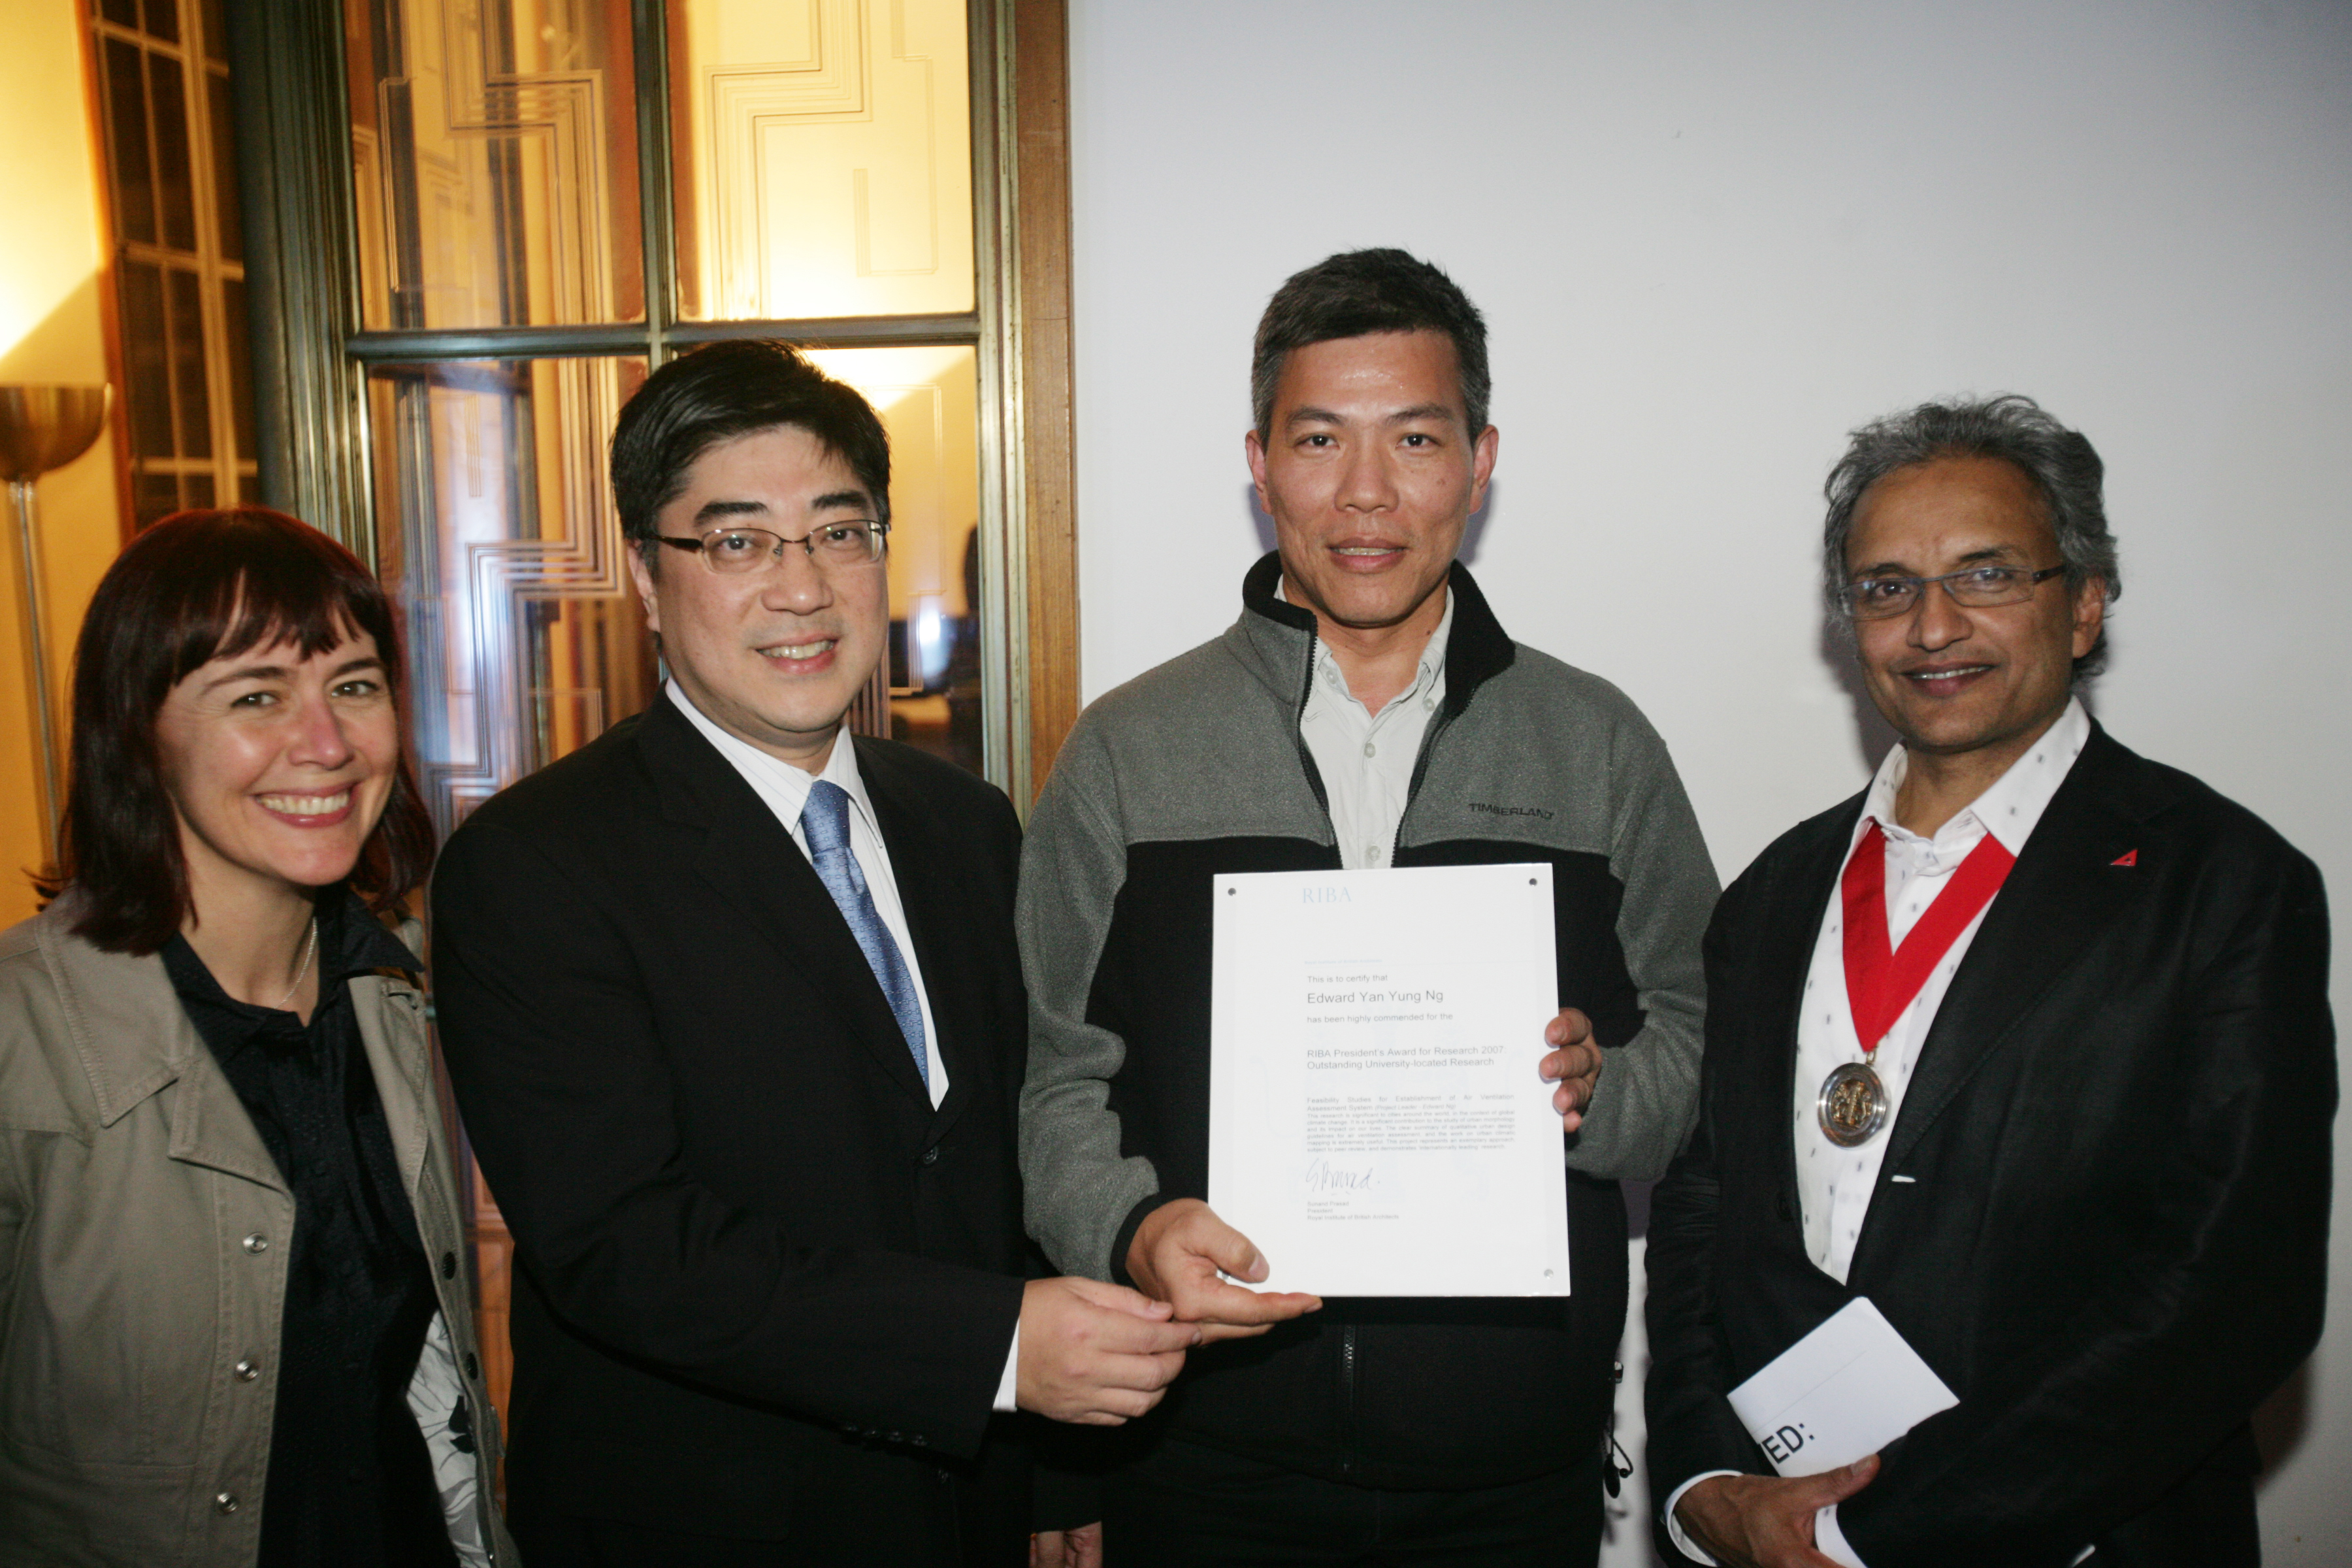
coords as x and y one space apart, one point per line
1369 472
1954 680
277 766
773 657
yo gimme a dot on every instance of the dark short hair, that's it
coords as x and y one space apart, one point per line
196 586
723 391
2060 463
1359 292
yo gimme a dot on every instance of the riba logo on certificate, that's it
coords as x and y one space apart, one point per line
1376 1125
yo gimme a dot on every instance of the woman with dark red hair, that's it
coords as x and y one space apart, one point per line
233 1319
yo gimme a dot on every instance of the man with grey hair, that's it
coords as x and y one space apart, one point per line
2028 1045
1366 711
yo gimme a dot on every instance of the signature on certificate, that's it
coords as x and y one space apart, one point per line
1322 1176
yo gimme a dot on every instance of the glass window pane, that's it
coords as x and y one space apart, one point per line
230 215
187 351
152 495
928 398
147 359
126 117
163 19
175 176
495 530
494 154
238 349
822 167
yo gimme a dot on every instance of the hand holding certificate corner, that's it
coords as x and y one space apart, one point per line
1378 1125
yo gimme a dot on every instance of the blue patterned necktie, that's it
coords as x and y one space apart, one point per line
825 822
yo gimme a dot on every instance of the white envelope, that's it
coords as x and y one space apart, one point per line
1849 1388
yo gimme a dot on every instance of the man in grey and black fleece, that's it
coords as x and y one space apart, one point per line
1367 711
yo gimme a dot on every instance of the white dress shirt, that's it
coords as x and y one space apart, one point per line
1833 1185
785 788
1366 758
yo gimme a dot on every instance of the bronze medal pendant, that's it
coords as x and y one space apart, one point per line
1852 1105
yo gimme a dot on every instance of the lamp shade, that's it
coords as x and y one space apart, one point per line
46 427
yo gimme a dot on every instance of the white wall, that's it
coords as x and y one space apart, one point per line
1709 240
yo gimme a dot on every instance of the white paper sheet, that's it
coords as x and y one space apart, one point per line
1377 1124
1849 1388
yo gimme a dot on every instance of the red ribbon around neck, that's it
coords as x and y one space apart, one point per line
1880 982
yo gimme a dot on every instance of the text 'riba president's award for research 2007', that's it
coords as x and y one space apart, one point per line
1377 1124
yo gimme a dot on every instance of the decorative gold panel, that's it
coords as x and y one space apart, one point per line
824 167
494 147
495 529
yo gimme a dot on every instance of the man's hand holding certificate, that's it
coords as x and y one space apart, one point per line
1379 1123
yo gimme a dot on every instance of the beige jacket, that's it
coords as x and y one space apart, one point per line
142 1269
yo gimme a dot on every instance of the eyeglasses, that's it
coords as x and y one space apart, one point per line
1978 587
855 542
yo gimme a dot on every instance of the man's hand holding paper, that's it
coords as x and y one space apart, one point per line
1184 1255
1574 1064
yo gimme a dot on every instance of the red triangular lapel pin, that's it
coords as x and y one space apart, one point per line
2128 857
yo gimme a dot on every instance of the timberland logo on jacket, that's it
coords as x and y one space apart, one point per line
1535 811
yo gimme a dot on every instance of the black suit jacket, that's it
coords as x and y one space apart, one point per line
763 1282
2110 1239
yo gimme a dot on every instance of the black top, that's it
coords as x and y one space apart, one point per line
350 1481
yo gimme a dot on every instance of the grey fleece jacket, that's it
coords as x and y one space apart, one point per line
1197 768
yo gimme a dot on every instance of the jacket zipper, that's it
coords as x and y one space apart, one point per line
1438 721
1348 1400
1323 801
1298 738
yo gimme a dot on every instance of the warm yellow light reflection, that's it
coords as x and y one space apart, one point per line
48 188
926 397
25 302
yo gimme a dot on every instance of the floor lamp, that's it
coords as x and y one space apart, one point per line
41 428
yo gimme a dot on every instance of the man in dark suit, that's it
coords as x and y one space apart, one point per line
2029 1045
734 1014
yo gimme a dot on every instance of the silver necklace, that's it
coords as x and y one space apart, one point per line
309 951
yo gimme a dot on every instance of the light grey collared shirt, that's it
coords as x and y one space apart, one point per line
1366 758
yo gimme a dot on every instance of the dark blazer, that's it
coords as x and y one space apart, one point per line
764 1290
2102 1216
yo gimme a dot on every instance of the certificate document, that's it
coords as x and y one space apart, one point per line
1376 1125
